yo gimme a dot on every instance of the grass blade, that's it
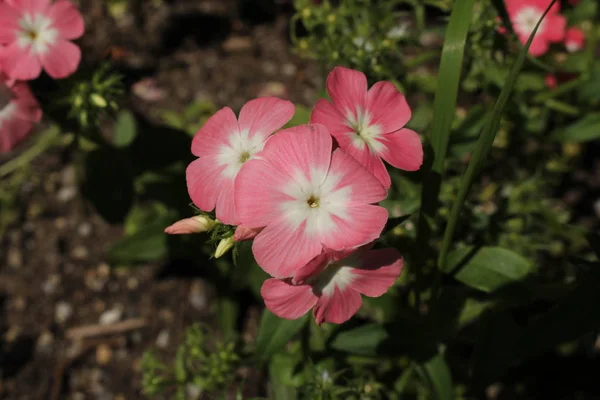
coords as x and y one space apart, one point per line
444 112
484 144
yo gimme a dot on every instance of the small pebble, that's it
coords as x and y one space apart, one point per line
14 258
163 338
80 253
132 283
51 284
62 311
44 342
111 316
84 229
66 194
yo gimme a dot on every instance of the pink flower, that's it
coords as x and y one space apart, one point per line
19 111
332 284
574 40
368 124
574 2
197 224
306 197
36 34
525 14
224 144
551 81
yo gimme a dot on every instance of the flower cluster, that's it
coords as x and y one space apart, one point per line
308 195
34 35
524 16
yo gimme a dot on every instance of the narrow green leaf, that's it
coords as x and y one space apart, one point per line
444 111
274 333
487 268
584 129
363 340
484 145
444 108
125 129
437 375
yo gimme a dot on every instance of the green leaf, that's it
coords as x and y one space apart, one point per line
484 145
301 116
444 111
363 340
148 244
488 268
274 333
448 78
125 129
584 129
436 374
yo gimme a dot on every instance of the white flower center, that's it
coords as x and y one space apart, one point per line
315 200
37 33
526 20
240 148
334 275
363 132
572 46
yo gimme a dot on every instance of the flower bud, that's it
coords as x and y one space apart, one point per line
196 224
224 246
98 100
245 233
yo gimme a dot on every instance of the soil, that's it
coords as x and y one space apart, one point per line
54 275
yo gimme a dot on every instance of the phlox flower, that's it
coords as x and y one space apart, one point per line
369 124
574 40
224 145
37 34
19 111
305 197
332 283
525 14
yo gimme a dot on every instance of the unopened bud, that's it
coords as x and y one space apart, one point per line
224 246
196 224
98 100
245 233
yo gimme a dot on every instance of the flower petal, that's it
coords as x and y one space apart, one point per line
326 114
556 25
359 226
338 308
259 193
370 161
12 132
20 64
348 90
304 149
9 23
311 268
265 115
61 60
67 19
365 188
403 149
215 133
204 182
539 44
242 233
281 248
287 301
387 107
378 271
225 207
30 6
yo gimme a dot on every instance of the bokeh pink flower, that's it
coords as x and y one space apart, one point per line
332 283
305 196
37 34
369 123
574 40
524 16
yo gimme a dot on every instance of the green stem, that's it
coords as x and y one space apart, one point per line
405 378
46 141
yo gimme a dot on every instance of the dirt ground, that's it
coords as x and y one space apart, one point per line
54 276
